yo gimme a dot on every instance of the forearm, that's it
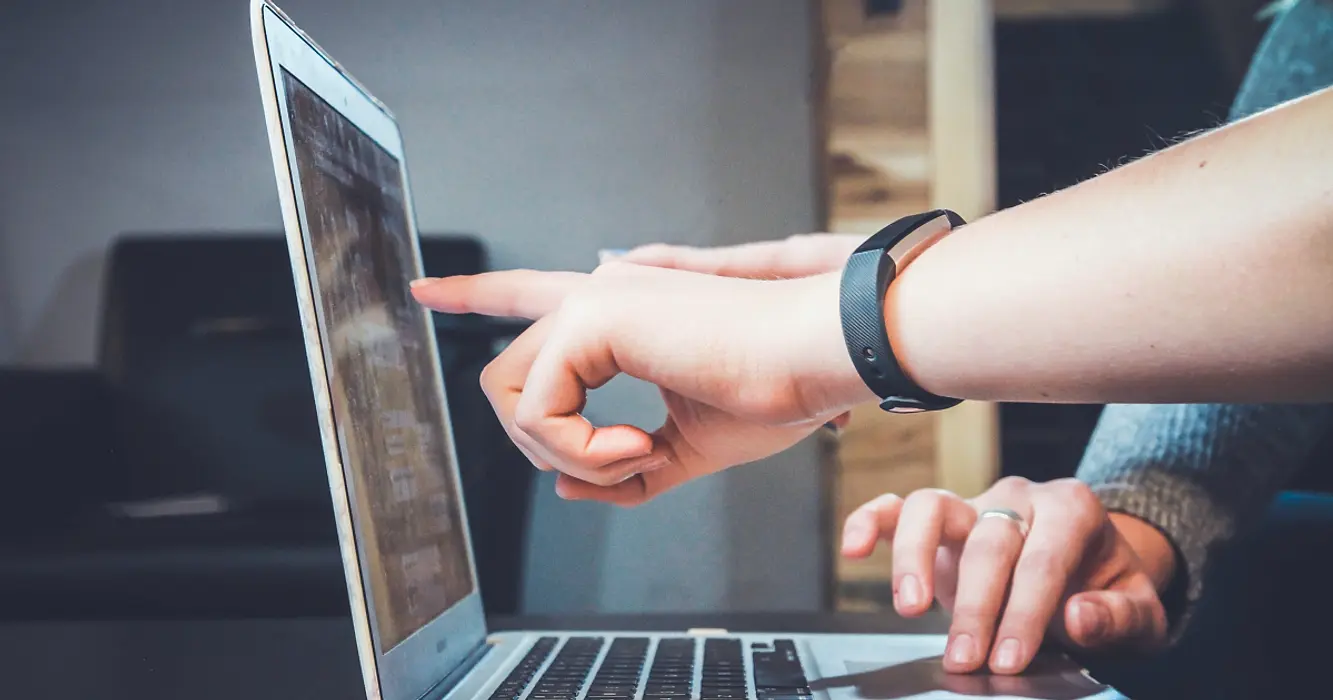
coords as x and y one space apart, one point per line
1202 273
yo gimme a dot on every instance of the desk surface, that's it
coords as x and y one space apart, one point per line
300 658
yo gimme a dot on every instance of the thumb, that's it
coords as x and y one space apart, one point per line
1128 617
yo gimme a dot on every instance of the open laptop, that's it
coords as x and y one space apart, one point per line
416 608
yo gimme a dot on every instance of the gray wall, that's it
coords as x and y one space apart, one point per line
551 128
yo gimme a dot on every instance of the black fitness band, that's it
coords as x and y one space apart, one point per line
865 279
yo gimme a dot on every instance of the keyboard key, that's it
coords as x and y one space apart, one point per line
778 670
521 675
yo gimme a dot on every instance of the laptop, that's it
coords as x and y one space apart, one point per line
416 607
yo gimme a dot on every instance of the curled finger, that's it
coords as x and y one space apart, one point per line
672 462
929 518
871 522
575 358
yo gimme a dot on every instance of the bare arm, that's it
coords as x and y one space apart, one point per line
1202 273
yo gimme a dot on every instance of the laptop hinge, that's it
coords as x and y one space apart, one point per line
451 681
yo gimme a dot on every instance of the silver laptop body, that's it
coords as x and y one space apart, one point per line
416 606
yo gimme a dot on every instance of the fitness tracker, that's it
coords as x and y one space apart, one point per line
866 277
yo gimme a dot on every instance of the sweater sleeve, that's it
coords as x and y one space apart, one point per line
1200 472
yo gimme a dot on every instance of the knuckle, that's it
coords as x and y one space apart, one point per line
527 419
1079 495
487 378
1085 523
929 499
1076 504
882 503
1011 485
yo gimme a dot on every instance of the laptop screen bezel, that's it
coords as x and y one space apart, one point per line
428 655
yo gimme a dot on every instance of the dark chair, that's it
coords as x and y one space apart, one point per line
203 394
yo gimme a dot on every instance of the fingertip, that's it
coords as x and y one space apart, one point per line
911 596
1088 618
853 549
858 537
564 487
434 293
617 442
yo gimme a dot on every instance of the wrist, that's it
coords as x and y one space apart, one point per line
1154 550
821 372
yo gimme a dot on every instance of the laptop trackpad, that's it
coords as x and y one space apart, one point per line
910 667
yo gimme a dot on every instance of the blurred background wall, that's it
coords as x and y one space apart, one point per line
549 129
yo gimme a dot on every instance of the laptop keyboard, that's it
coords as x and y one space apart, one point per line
722 672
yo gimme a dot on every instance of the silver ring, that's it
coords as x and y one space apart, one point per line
1006 514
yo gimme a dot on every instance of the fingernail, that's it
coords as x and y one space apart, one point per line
1006 655
1092 617
610 254
649 464
961 650
909 592
852 536
423 280
642 466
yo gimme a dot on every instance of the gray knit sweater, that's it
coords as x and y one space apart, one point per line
1198 473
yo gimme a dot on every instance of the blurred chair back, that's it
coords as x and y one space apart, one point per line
201 344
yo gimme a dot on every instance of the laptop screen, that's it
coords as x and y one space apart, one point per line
386 403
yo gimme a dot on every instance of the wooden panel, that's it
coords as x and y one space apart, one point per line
877 169
892 148
962 126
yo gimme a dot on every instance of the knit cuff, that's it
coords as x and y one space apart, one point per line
1186 514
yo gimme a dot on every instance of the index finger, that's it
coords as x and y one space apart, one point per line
529 294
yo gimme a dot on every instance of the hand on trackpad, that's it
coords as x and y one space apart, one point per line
1048 678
